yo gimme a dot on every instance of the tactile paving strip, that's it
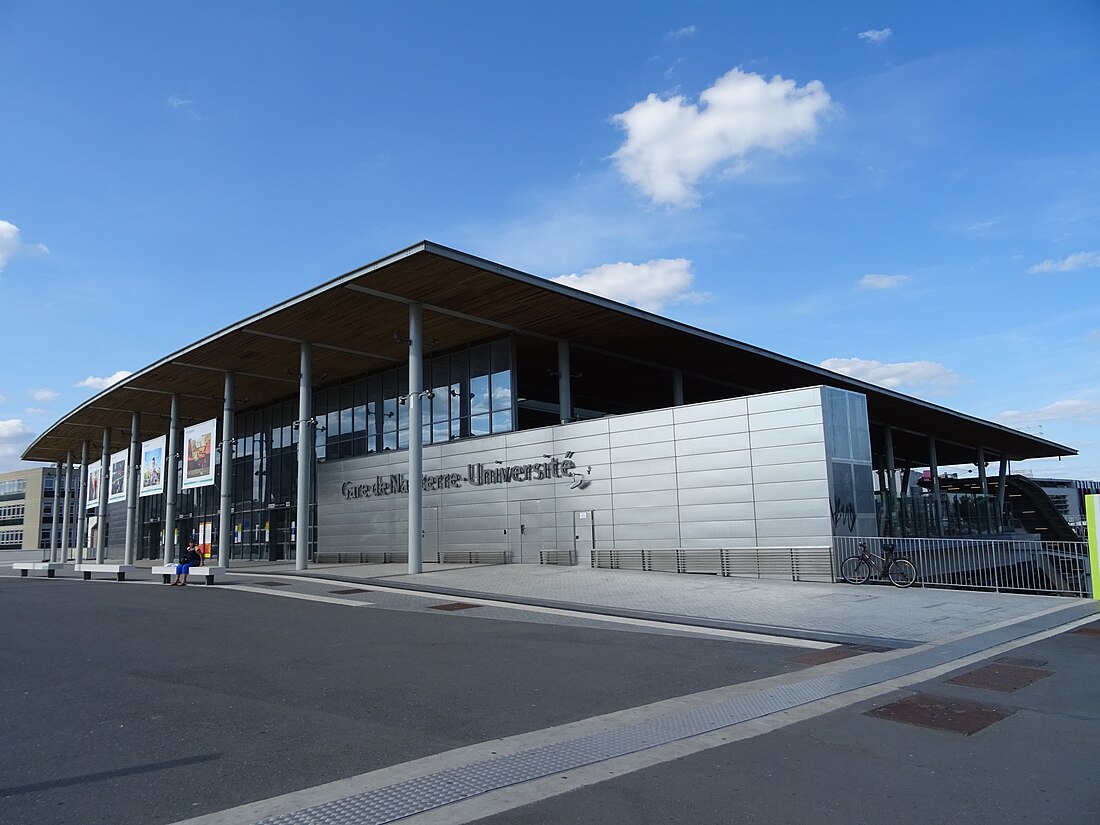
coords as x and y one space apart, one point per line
425 793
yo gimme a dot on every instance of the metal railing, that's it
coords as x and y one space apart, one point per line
566 557
797 563
364 557
395 556
1059 568
473 556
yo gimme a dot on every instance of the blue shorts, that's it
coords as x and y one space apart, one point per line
182 569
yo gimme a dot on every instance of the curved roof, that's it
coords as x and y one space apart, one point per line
358 323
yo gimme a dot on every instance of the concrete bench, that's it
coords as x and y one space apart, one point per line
206 571
24 567
120 570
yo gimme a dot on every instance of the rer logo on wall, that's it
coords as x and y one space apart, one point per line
198 454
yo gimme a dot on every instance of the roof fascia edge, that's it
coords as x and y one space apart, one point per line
317 290
607 303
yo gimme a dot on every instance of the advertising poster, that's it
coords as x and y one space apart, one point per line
93 484
198 454
151 481
117 477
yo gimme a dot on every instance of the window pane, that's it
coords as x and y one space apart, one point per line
502 390
502 421
441 431
479 394
479 425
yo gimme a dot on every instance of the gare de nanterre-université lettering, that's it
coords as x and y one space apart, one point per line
688 438
477 475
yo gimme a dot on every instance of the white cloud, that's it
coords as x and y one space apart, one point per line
927 374
35 411
1066 410
14 437
680 34
1078 260
671 144
882 281
183 104
648 286
11 245
876 36
44 394
96 383
3 399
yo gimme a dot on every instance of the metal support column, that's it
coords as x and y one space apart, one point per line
82 504
891 467
305 457
565 384
891 480
225 514
56 514
981 471
1001 473
171 469
101 510
677 388
133 462
67 512
934 468
416 438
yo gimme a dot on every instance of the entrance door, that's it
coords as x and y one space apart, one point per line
430 541
280 534
530 530
152 537
584 536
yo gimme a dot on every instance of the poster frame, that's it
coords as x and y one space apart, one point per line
199 472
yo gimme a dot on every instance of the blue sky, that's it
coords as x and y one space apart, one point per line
906 194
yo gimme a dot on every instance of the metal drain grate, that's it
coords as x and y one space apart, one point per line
1000 677
1021 662
452 606
927 710
271 584
346 591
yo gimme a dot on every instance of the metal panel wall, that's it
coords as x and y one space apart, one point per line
741 472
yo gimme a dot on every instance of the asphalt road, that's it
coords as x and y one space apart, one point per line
1037 766
138 703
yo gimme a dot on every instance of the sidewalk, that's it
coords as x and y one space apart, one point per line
867 614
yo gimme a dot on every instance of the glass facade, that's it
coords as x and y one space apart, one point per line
469 393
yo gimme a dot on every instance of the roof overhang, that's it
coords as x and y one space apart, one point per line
358 323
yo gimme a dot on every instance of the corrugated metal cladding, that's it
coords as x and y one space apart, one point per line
785 468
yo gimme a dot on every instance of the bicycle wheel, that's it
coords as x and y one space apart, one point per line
902 573
855 570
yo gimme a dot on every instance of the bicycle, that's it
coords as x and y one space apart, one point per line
857 569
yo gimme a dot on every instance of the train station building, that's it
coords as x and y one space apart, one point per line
433 404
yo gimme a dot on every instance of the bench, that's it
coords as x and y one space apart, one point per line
24 567
120 570
206 571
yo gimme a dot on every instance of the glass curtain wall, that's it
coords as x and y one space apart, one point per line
472 395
